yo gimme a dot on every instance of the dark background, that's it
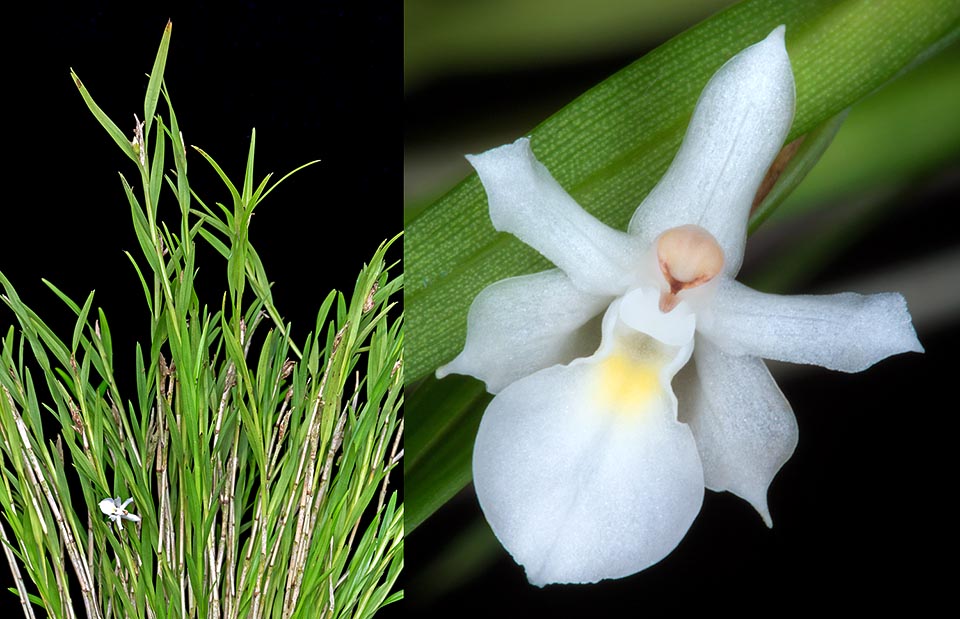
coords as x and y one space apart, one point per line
318 80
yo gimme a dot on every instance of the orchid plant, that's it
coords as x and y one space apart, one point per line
258 464
630 378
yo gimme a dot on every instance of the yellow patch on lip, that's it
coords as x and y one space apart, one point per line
627 385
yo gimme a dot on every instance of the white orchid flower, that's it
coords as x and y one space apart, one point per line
586 464
118 511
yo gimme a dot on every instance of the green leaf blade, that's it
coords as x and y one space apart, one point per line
118 136
156 79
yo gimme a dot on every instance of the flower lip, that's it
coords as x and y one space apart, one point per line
688 256
557 450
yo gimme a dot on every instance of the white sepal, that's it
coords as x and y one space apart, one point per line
744 427
527 202
847 332
523 324
738 126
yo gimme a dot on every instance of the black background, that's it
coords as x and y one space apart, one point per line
318 80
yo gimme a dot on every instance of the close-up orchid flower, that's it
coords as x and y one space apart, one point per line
630 378
117 511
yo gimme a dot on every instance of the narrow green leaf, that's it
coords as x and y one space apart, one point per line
216 243
226 180
248 174
210 218
141 227
63 297
143 282
185 292
255 198
156 167
118 136
180 161
81 323
156 80
285 177
105 336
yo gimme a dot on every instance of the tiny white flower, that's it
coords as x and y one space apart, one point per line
586 464
117 511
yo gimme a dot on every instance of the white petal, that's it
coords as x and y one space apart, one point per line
584 473
847 332
744 427
107 506
523 324
526 201
739 125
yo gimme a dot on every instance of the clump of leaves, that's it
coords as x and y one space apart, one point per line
259 468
